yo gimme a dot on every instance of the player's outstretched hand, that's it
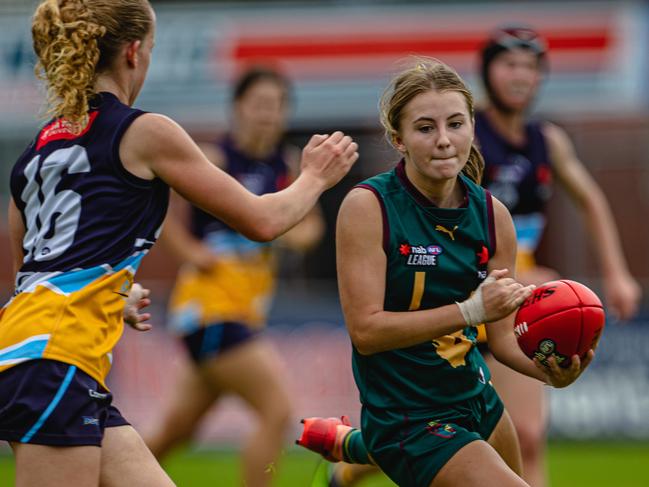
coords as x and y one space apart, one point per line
562 377
138 299
502 295
329 157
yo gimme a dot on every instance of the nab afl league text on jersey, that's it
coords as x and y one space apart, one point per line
435 257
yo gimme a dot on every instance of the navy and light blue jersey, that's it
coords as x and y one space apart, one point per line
519 176
88 223
259 176
80 206
238 287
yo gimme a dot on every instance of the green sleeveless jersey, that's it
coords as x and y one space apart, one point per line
435 256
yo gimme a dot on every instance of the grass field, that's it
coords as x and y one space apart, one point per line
571 465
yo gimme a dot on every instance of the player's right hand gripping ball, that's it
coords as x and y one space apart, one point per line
561 318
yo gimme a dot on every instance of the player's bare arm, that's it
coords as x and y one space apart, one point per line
179 241
500 334
184 246
622 290
174 157
214 154
175 236
306 234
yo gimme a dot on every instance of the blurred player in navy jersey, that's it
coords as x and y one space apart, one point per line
88 197
524 157
225 287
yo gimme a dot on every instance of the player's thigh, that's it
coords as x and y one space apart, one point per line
505 441
475 465
253 371
523 397
126 460
192 396
56 466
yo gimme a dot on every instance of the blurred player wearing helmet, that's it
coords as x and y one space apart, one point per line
523 157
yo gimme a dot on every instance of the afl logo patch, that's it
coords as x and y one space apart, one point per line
434 250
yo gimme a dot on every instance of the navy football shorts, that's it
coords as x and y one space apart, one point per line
47 402
213 340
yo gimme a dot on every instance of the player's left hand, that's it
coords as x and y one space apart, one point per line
138 298
562 377
622 295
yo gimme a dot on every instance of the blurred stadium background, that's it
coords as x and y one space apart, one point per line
340 55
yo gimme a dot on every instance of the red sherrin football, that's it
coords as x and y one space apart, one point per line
561 318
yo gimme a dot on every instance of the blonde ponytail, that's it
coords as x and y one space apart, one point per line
65 41
75 40
474 167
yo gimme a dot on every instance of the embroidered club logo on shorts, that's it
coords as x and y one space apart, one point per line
442 430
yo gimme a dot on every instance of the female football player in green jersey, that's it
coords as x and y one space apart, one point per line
424 255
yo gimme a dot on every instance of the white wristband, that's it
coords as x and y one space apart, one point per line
472 309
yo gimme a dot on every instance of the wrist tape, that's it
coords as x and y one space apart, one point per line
472 309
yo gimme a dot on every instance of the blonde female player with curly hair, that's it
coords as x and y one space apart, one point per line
88 197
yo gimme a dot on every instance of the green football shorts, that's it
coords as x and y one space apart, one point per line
412 446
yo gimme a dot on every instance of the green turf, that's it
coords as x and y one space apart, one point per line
571 465
599 464
295 470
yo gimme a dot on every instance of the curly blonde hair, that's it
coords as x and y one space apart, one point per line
75 40
426 74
